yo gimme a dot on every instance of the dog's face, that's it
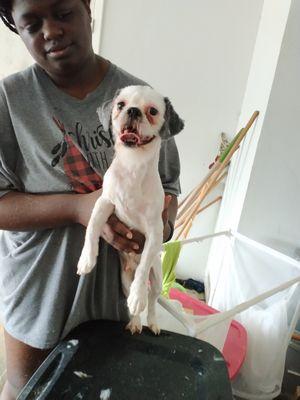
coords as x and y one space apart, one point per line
137 115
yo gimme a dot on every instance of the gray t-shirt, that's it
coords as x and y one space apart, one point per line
51 142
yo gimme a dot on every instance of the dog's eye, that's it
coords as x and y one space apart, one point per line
153 111
120 105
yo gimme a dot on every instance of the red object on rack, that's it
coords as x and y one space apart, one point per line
235 347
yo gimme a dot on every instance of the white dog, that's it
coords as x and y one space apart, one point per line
132 189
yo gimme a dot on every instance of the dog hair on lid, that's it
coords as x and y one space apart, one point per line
139 118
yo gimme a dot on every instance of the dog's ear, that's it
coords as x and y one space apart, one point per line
104 112
173 123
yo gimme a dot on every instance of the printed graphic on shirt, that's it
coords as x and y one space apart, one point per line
97 146
80 154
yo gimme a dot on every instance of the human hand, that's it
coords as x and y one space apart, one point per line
122 238
117 234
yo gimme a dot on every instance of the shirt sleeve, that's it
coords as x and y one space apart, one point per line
9 151
169 167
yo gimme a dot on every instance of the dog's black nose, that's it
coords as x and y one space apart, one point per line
134 112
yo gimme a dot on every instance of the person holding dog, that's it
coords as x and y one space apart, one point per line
53 152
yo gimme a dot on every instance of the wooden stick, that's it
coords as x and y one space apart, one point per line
218 181
208 182
212 170
193 210
241 137
201 196
187 211
204 191
209 204
189 225
225 173
188 228
193 194
179 223
242 133
181 230
236 142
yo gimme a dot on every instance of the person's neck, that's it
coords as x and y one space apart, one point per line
79 84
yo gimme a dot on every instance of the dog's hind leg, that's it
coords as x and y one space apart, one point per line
134 325
138 295
128 266
155 277
101 212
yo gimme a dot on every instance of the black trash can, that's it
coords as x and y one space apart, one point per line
100 360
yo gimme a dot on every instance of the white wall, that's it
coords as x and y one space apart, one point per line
198 53
271 209
14 56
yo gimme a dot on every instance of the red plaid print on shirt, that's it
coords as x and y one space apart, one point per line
82 176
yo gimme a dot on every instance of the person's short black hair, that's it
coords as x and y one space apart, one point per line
5 14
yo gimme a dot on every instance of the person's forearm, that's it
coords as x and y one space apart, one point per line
172 209
172 213
22 211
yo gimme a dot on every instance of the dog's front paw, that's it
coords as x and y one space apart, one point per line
137 299
86 262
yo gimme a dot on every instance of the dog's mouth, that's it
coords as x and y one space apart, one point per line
131 137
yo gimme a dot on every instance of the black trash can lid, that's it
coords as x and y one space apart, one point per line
100 360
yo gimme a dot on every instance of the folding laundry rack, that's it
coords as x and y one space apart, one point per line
246 280
260 288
